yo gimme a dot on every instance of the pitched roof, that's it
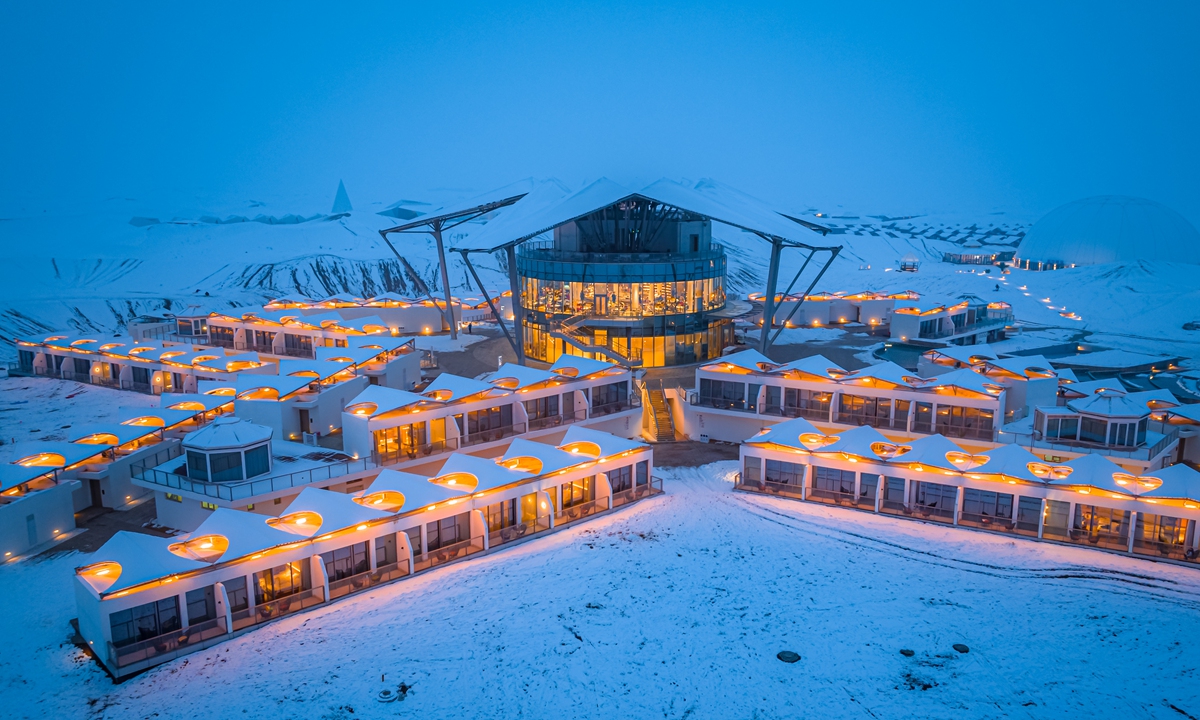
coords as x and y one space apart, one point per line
930 452
787 433
517 377
857 442
142 558
818 365
453 387
338 510
1010 460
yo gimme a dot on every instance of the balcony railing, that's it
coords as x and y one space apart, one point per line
977 433
539 524
141 387
635 493
929 512
243 489
221 342
771 488
1173 551
371 578
581 511
832 497
412 452
155 647
695 399
989 522
1112 541
278 608
493 434
1142 453
447 553
610 408
557 420
255 347
985 324
299 352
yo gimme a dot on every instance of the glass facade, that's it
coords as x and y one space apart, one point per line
648 308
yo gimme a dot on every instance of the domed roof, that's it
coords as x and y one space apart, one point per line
227 433
1110 229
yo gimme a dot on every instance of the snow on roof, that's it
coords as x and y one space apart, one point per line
1112 360
1009 460
141 558
416 490
390 297
1021 364
517 377
13 475
886 371
324 369
967 379
385 400
1109 403
209 402
520 189
122 433
338 510
293 299
224 363
930 451
969 354
448 387
71 453
751 360
858 442
1190 412
609 444
487 473
579 367
538 213
1094 470
370 325
356 355
787 434
1066 374
227 432
247 532
166 417
1178 481
284 385
550 458
817 365
379 341
1090 387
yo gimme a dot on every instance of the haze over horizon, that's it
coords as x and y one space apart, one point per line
873 108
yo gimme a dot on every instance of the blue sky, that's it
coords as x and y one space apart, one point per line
883 107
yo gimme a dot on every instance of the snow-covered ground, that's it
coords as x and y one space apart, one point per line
673 608
47 409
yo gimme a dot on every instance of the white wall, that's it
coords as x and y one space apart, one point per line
52 509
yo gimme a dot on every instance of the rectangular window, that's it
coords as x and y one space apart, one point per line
893 490
542 407
621 479
1029 513
784 473
141 375
752 470
207 505
492 419
201 605
414 539
173 497
197 465
923 421
258 461
773 400
82 366
723 394
936 496
402 440
643 472
226 467
830 480
282 581
235 590
868 489
1092 430
985 503
448 531
145 621
385 550
346 561
1057 516
501 515
578 492
610 396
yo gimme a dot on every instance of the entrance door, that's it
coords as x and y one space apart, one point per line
304 421
31 528
94 487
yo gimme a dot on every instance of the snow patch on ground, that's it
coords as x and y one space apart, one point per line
676 607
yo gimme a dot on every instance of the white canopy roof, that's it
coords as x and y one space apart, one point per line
142 558
456 387
930 452
227 432
857 442
817 365
1096 471
751 360
1178 481
283 384
787 433
324 369
14 475
357 355
609 444
582 367
518 377
1009 460
247 532
338 511
487 473
386 400
552 459
123 433
418 492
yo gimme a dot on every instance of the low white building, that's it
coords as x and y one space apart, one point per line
145 600
1087 500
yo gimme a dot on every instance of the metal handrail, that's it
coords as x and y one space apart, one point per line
243 489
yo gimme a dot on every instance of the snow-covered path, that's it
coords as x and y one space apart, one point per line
676 607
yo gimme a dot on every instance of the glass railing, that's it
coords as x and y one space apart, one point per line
1169 550
1111 541
518 531
278 608
610 408
581 511
447 553
988 522
241 490
152 648
557 420
391 457
832 497
371 578
492 435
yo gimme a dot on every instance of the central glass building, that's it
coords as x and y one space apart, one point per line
638 281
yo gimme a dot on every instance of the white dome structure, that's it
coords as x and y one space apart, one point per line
1108 229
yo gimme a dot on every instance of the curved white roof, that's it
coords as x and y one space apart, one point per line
227 432
1111 229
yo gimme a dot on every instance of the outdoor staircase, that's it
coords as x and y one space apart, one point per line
568 331
664 424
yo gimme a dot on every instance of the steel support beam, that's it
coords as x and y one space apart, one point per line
488 298
515 286
437 236
769 300
833 253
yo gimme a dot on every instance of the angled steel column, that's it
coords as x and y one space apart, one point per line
437 236
769 300
488 298
515 286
